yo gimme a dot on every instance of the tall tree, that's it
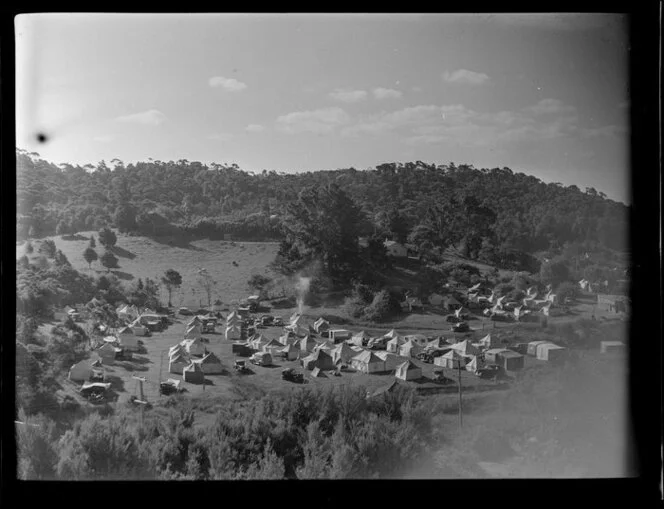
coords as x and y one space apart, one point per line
109 260
207 283
171 280
90 256
107 238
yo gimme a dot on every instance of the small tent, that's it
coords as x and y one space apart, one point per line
177 363
474 364
272 347
392 334
328 346
436 344
138 328
465 347
233 318
307 344
128 342
368 362
196 320
610 347
289 338
233 332
394 344
319 359
80 372
491 355
321 325
532 347
510 360
551 352
210 364
360 339
391 360
489 341
410 349
290 352
452 359
179 348
343 353
389 388
298 328
318 373
194 346
193 373
107 352
408 371
193 332
418 339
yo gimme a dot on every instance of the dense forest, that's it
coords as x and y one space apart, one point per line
476 209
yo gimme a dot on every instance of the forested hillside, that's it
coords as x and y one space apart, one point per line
490 214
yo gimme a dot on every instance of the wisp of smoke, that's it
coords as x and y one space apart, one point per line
302 287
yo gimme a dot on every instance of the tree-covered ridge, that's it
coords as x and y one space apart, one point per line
414 200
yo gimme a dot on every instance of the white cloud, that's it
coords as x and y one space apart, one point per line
465 76
255 128
105 138
610 131
386 93
456 124
348 96
230 84
319 121
220 137
546 106
150 117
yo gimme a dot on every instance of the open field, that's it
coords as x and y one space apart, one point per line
141 257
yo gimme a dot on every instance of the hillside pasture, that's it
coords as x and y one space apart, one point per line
231 264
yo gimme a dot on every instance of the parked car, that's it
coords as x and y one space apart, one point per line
439 376
267 320
461 327
278 321
170 386
185 311
241 366
490 372
291 375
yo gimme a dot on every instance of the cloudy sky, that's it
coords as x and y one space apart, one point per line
545 95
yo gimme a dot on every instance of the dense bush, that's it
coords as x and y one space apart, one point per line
384 306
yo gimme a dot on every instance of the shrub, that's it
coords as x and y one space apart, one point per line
384 306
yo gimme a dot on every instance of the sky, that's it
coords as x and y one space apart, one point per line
546 95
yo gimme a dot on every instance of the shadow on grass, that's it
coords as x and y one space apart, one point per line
175 241
123 253
74 237
123 275
117 384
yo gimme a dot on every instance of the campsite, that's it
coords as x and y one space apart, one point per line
323 247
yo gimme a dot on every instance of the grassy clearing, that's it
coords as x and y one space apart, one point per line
144 257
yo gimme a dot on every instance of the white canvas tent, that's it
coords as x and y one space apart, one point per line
273 347
408 371
307 344
368 362
452 359
107 353
233 318
319 359
418 339
532 347
343 353
395 343
321 325
550 352
391 360
81 371
211 364
290 352
233 332
193 373
177 363
474 364
193 332
359 338
465 347
129 342
194 346
410 349
489 341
